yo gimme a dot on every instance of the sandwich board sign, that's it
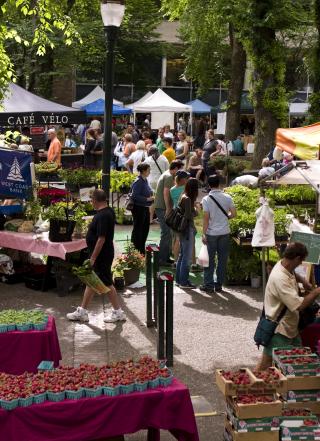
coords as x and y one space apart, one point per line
311 241
15 174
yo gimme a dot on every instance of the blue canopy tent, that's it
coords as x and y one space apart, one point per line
97 108
199 106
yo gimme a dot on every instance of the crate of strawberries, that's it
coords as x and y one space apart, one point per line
270 380
299 365
246 406
231 383
294 430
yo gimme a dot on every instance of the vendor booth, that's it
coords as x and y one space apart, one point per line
303 142
162 109
96 94
23 108
140 101
98 107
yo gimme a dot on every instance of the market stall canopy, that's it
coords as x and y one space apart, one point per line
161 102
305 172
140 101
303 142
246 107
199 106
23 108
97 108
298 108
96 94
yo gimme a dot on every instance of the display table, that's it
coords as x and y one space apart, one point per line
87 419
311 335
23 351
40 244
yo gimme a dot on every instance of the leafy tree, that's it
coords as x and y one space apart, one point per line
315 67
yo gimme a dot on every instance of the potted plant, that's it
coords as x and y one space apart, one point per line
129 264
79 178
121 181
62 223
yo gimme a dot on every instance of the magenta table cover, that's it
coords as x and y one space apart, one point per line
23 351
93 418
40 244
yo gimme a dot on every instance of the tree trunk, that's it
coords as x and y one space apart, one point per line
238 70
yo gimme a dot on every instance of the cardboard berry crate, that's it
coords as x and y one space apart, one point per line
268 383
298 414
293 366
292 396
290 350
256 409
232 435
229 387
253 424
299 430
313 406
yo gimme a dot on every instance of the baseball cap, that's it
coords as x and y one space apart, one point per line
182 174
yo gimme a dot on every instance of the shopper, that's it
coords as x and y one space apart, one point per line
100 244
132 131
137 157
218 208
160 140
182 147
163 206
209 147
54 152
167 132
129 146
282 296
120 158
187 238
195 167
142 196
169 152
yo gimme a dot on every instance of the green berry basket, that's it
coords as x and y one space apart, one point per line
127 388
40 398
75 394
9 404
24 327
3 328
11 327
153 384
25 402
56 396
141 387
166 381
111 391
93 392
40 326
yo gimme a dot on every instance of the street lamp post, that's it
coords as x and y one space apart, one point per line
112 12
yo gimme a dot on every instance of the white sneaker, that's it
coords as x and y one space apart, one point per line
79 315
115 316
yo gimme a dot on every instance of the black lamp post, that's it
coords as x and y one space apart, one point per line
112 12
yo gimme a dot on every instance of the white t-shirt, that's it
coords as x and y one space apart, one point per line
218 221
168 135
245 180
119 152
137 157
155 174
266 171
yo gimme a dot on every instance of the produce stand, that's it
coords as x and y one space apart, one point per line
23 351
87 419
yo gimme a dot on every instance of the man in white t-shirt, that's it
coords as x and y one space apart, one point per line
137 157
282 291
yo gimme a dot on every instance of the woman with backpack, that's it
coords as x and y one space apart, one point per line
187 205
142 197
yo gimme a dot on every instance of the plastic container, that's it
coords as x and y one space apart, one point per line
40 326
9 405
24 327
11 327
25 402
3 328
40 398
56 396
127 389
93 393
141 387
153 384
46 366
166 381
74 394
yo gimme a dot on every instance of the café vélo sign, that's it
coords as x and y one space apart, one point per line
35 119
15 174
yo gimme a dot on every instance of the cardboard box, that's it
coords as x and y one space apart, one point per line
303 383
229 388
310 369
279 386
292 396
257 410
296 430
314 406
299 417
290 350
233 435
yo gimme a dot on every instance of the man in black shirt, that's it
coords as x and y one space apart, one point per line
100 244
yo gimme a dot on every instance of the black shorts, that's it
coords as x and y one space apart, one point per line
102 268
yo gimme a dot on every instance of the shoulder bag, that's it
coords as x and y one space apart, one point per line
266 328
219 205
176 220
129 202
157 165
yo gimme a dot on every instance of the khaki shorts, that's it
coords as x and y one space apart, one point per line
279 341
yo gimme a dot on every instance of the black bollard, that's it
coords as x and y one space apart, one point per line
169 321
160 318
152 267
165 319
149 287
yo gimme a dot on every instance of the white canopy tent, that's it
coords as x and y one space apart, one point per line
140 101
303 172
96 94
162 109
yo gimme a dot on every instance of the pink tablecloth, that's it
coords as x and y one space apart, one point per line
93 418
23 351
311 335
40 244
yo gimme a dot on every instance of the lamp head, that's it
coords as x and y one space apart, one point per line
112 12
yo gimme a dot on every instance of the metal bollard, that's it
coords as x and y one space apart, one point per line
165 318
152 268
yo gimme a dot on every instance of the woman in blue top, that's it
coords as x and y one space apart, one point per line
142 197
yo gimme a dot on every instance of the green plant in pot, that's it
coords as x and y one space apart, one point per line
62 223
33 210
129 264
121 181
79 177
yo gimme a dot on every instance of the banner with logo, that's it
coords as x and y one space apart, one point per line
15 174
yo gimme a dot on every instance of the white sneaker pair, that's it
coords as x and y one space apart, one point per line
81 315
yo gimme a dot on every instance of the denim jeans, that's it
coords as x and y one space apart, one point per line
185 256
165 237
217 245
